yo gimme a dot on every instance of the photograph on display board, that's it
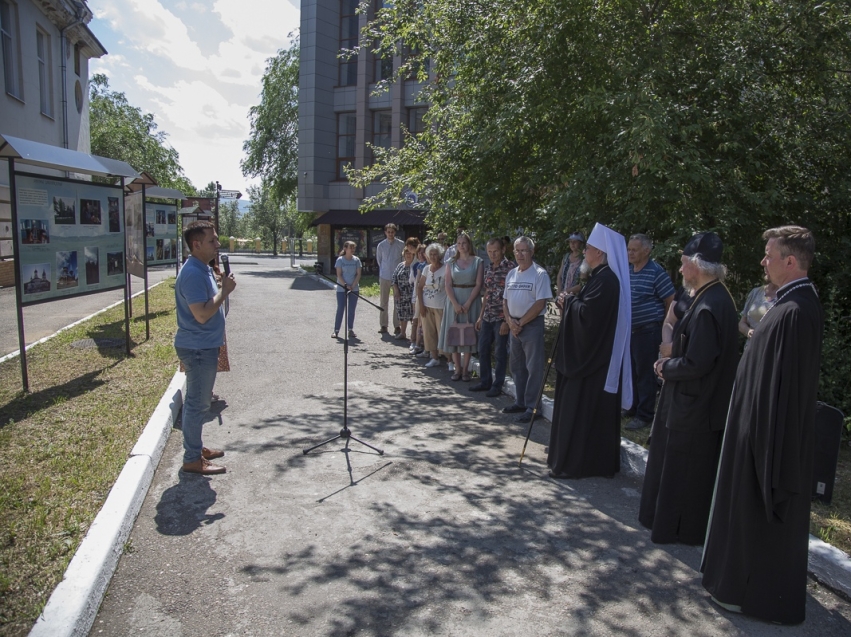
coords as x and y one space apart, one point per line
150 252
34 231
67 275
90 212
172 218
159 250
149 230
92 265
114 215
114 263
64 211
173 248
161 217
36 277
167 249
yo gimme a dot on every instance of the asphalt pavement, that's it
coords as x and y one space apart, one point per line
443 534
45 319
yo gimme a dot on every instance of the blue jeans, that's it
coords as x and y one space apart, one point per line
527 363
201 366
644 351
488 336
341 306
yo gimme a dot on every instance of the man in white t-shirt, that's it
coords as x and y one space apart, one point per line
388 254
527 290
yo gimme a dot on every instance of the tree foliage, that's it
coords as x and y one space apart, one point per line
122 131
666 117
271 151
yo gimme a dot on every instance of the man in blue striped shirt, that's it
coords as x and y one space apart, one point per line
652 293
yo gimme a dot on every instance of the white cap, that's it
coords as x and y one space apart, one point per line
620 366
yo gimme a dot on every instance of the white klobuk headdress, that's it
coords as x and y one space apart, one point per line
620 365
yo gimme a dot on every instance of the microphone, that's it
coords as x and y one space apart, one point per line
225 263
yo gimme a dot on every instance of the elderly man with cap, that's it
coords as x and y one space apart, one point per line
592 360
698 378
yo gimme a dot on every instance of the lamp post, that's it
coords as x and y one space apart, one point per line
224 194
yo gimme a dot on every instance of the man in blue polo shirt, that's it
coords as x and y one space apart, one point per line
652 293
200 334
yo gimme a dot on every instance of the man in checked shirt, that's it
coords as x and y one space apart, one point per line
492 328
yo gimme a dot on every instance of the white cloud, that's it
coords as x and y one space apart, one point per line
197 68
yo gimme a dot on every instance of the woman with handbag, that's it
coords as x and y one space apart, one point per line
431 299
464 278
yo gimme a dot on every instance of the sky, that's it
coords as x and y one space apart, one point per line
198 67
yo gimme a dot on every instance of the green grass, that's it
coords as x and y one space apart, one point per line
369 285
63 445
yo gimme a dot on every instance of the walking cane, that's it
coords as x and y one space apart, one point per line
540 395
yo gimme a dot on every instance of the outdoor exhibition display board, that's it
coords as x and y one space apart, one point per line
135 219
69 238
161 233
69 234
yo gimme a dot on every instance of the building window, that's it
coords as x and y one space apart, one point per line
77 58
382 126
346 127
348 41
9 46
45 72
383 68
415 120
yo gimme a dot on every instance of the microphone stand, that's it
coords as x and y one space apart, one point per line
345 432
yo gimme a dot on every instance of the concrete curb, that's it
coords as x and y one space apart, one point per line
72 607
827 564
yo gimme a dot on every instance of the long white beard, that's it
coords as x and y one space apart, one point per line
584 269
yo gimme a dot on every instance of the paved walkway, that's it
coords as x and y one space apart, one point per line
441 535
45 319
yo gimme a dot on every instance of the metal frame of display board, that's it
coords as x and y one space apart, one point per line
59 159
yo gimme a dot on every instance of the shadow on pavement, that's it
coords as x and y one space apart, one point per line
183 508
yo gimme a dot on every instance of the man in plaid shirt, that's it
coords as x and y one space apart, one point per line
492 328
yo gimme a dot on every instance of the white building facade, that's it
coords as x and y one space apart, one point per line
45 48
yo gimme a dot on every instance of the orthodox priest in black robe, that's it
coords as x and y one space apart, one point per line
698 377
593 340
755 557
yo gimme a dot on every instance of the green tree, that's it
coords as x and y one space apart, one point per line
231 221
267 216
271 151
665 117
122 131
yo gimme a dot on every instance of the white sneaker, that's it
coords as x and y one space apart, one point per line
433 363
423 354
450 367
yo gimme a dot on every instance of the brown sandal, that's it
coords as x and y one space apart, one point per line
456 376
466 377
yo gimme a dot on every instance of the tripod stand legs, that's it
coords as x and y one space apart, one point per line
346 434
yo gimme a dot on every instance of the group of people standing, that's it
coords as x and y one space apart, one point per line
731 446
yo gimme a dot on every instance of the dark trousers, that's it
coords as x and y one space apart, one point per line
644 349
489 336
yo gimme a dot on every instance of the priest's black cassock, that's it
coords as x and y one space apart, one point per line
689 425
585 433
755 555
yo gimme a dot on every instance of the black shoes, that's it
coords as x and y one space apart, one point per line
479 387
513 409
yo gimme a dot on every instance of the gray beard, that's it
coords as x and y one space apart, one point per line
584 269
